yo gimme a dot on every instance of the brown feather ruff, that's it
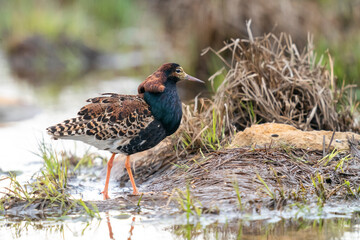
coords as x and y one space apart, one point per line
115 116
155 82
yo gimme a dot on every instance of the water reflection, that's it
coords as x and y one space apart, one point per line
285 229
131 228
80 227
111 234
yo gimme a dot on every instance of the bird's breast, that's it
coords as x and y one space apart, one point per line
166 108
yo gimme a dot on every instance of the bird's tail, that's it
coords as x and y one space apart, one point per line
70 127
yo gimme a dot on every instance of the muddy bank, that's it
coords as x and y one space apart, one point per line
288 173
253 177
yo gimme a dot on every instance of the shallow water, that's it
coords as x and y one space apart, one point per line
123 225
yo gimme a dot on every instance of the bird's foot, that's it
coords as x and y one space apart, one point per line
106 195
136 193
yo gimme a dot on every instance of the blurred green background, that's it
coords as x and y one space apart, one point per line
54 42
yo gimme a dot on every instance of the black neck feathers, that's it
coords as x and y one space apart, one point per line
166 106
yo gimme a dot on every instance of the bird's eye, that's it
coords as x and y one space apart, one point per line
178 70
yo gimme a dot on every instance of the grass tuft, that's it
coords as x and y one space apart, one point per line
47 191
237 191
188 204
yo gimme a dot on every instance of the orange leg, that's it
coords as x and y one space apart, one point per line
109 166
128 168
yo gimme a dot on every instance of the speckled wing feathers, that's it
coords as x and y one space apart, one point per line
116 118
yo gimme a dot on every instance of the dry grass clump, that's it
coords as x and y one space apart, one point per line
269 80
271 176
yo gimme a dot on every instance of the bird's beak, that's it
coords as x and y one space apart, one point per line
193 79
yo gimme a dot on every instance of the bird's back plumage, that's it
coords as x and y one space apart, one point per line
111 122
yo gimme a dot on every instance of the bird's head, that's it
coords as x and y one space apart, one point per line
155 83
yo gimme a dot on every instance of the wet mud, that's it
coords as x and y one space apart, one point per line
257 177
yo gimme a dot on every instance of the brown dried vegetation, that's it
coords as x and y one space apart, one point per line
270 80
270 177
